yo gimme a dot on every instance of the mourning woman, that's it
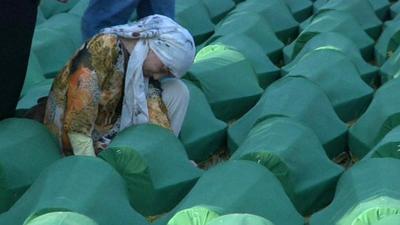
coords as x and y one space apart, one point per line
124 76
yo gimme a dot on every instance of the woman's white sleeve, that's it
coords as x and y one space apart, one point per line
81 144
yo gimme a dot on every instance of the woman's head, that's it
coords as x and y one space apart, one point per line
162 46
171 47
154 67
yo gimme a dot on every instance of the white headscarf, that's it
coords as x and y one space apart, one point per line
173 45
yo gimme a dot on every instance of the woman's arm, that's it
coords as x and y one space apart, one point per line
83 97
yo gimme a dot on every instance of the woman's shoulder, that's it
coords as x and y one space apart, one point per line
105 45
104 40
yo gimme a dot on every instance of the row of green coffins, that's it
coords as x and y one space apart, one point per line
287 97
387 51
88 190
394 9
346 93
138 154
366 194
339 42
72 186
332 21
362 11
81 184
74 190
380 118
381 7
218 69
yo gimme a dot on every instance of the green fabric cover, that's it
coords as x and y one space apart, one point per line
81 184
394 9
337 41
381 117
339 78
27 147
366 193
69 24
198 215
202 133
61 218
250 24
219 70
276 13
53 49
51 7
389 220
34 74
381 8
388 42
292 152
240 187
80 8
362 11
388 147
218 9
301 100
301 9
240 219
391 68
193 15
155 167
266 71
371 211
318 4
40 17
32 96
332 21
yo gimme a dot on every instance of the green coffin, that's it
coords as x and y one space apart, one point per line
301 100
218 71
266 71
238 187
276 13
391 68
331 70
154 165
388 42
193 15
27 148
81 188
339 42
382 116
365 194
250 24
292 152
362 11
332 21
202 133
